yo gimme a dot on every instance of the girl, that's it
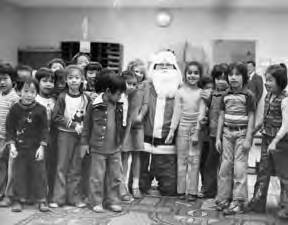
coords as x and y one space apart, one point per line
68 116
189 109
274 153
27 133
134 135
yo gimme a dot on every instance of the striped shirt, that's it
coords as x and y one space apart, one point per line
236 106
6 101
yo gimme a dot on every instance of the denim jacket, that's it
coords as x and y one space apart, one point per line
95 123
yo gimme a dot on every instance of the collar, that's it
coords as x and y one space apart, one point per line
242 91
32 105
99 101
252 75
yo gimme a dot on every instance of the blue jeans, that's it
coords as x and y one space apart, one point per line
232 176
188 163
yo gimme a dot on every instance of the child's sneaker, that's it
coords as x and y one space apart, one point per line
236 207
98 208
53 205
192 198
115 208
136 193
6 202
80 205
182 196
43 207
221 205
16 207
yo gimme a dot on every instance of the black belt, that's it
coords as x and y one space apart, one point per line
236 128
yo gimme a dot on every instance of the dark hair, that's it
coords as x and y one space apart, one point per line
24 67
193 63
56 60
204 81
74 67
44 72
75 57
283 65
128 74
28 82
251 62
110 80
217 71
240 68
7 69
280 75
93 66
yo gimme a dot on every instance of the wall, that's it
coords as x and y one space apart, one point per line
9 33
137 31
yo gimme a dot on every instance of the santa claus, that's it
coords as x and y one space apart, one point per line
159 159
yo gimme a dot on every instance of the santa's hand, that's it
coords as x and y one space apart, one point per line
78 128
39 155
13 151
169 137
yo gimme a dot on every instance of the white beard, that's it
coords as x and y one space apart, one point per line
166 82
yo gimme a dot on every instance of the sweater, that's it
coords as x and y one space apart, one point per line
27 126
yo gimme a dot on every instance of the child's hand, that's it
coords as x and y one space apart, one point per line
79 128
246 144
169 137
204 122
205 94
218 145
272 147
138 118
84 149
195 139
13 151
39 153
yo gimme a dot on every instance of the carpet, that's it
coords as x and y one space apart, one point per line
151 210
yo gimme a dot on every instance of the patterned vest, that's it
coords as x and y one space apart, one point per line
273 115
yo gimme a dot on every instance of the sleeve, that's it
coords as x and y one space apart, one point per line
144 107
44 127
176 111
11 125
222 104
87 126
284 127
251 102
58 117
259 87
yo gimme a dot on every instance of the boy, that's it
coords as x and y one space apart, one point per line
211 165
234 139
102 133
8 97
23 72
46 79
27 133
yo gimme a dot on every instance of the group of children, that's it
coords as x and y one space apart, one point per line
67 133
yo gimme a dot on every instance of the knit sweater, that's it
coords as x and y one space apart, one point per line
27 126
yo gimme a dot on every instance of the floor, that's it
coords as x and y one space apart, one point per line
154 210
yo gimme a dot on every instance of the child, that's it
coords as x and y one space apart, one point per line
233 140
102 134
60 83
23 72
211 165
91 72
81 59
46 79
189 109
8 97
56 64
274 140
134 133
68 116
206 84
27 133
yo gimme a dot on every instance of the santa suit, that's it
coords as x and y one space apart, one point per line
159 159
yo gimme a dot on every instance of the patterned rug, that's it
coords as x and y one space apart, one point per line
151 210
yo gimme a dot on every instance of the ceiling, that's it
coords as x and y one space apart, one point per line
266 4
